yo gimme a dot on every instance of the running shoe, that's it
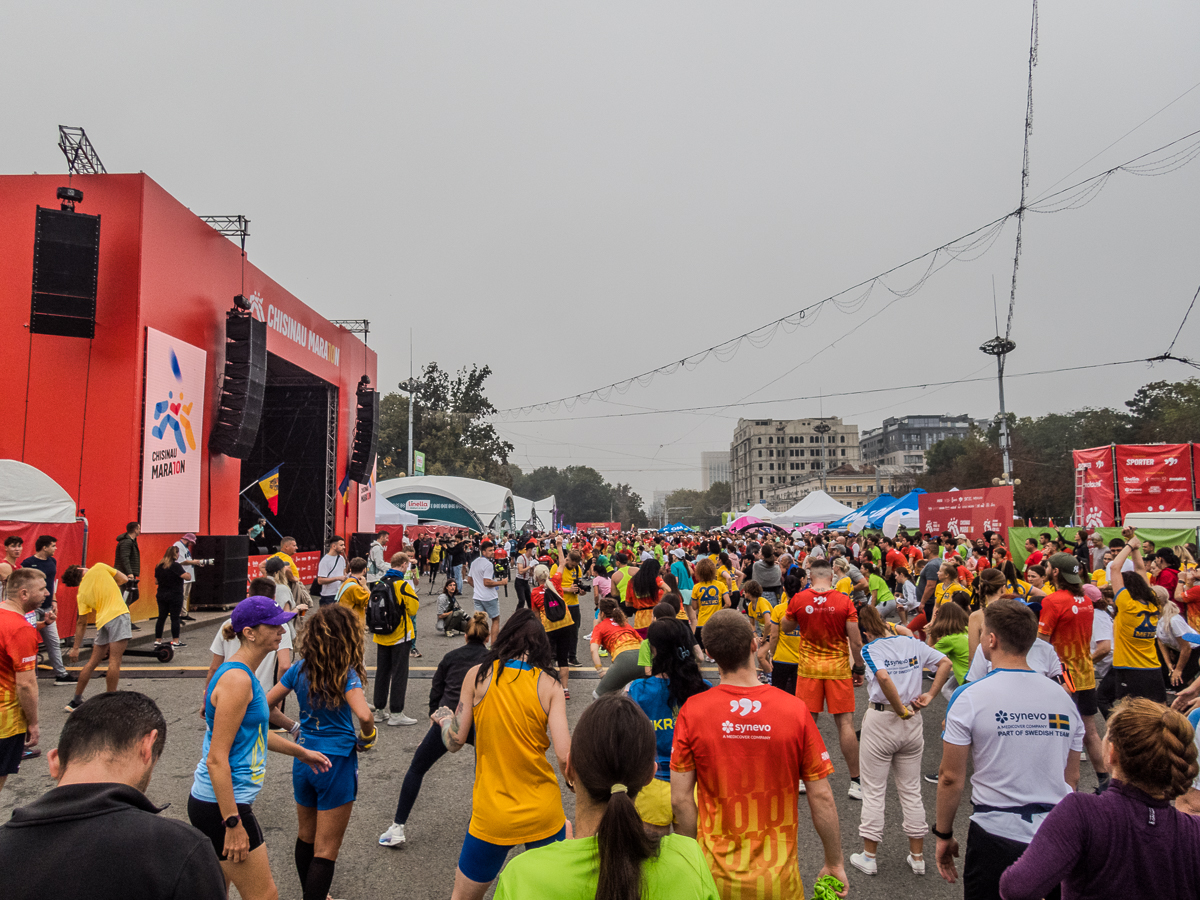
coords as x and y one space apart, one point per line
575 664
393 837
400 719
31 753
69 678
855 792
178 644
75 703
380 715
932 779
588 636
917 865
566 694
803 789
603 652
414 653
865 863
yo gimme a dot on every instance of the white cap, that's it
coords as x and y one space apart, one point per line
678 553
646 555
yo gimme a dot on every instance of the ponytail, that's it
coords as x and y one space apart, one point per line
612 755
610 610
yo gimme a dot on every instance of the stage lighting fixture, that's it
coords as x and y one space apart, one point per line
242 303
69 197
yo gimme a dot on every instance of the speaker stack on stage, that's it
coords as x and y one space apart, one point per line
245 382
223 584
360 544
366 433
66 263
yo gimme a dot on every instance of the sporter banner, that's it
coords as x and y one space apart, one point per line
172 428
1095 505
968 512
1154 477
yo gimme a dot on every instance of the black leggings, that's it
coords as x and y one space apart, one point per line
573 640
430 751
169 606
391 671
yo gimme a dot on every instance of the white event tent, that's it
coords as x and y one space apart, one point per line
815 507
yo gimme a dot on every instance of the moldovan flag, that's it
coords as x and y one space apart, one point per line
270 488
344 488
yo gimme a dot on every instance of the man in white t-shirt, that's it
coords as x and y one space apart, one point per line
483 586
331 570
1024 736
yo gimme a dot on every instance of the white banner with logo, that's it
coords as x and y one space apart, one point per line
173 427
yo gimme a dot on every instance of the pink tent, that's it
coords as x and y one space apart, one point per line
743 521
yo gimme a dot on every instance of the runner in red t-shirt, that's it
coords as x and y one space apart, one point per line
740 750
829 636
1066 622
26 590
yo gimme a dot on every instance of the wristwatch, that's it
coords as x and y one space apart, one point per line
233 821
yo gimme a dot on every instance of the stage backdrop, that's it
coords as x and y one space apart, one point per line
1096 508
968 512
172 427
1154 477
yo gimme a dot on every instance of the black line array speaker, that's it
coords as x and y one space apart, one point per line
366 434
66 262
223 584
240 406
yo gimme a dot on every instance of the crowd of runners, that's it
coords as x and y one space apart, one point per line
698 748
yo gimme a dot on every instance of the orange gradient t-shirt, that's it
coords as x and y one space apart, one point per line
1066 623
822 617
615 638
749 748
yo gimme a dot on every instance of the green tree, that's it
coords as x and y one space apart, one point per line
698 509
1166 413
449 427
582 494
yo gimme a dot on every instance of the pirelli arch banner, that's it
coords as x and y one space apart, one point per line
172 426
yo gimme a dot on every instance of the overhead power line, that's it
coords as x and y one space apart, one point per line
965 248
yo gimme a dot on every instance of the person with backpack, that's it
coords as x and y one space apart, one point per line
390 608
551 608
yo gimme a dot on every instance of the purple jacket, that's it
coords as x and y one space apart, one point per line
1122 843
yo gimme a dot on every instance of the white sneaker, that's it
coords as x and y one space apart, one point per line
917 865
394 836
400 719
588 636
380 715
855 792
803 789
864 863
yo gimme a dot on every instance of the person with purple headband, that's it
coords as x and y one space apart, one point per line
236 739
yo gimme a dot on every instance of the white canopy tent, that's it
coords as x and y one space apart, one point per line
759 512
387 513
30 495
815 507
486 506
545 509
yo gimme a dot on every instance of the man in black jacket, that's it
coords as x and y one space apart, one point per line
128 561
98 824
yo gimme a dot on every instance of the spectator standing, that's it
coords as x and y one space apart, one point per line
1128 841
458 553
286 552
377 558
526 562
748 789
99 813
354 592
26 590
46 546
171 578
128 562
99 592
331 570
483 586
392 651
185 545
1024 737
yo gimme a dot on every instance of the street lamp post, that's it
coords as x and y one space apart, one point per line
412 387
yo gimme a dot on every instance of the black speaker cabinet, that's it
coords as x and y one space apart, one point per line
366 435
360 544
66 262
223 584
240 406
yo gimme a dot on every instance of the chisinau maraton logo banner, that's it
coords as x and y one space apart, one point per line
172 429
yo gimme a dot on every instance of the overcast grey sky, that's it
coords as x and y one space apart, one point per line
575 193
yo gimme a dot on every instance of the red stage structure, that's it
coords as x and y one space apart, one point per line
1133 478
77 408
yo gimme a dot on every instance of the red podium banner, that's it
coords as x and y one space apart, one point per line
1154 477
1095 505
968 512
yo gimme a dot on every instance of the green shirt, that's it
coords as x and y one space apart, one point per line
875 553
645 657
569 870
883 592
956 646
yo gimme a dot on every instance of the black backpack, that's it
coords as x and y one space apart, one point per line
554 607
384 612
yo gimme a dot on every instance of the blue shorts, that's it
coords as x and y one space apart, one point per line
491 607
482 861
327 790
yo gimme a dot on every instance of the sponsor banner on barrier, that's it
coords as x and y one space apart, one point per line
968 512
172 428
1095 501
1154 477
597 526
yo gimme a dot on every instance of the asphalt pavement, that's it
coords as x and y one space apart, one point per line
424 866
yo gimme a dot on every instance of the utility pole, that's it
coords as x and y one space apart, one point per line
411 387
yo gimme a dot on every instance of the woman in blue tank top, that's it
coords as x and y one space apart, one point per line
236 739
